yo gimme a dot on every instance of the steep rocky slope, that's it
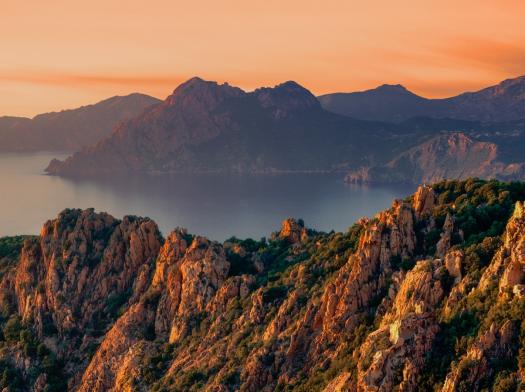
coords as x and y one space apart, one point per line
427 295
70 130
502 102
446 156
68 287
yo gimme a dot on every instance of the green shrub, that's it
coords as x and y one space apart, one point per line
12 329
273 294
116 301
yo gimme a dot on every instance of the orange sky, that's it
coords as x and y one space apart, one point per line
57 54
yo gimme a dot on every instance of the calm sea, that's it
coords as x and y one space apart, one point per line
217 206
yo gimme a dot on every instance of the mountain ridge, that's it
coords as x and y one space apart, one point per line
426 295
501 102
70 129
204 126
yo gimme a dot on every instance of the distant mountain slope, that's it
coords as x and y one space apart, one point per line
446 156
385 103
503 102
70 129
207 127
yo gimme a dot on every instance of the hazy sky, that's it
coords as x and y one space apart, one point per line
57 54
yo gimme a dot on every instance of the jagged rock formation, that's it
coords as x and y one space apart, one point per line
427 295
424 201
502 102
475 365
72 280
293 231
71 130
83 253
394 354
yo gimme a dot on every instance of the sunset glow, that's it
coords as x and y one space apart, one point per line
61 54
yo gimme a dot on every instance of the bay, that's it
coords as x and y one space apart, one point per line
216 206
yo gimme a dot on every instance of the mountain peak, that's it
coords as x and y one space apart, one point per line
290 85
197 90
287 97
195 79
72 129
197 83
128 99
393 88
398 87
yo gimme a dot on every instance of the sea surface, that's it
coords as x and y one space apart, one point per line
217 206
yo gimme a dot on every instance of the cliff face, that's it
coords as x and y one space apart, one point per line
71 282
447 156
394 354
81 260
428 295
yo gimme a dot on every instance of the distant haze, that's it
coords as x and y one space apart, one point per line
63 54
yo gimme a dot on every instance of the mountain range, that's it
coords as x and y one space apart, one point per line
383 135
207 127
428 295
503 102
70 130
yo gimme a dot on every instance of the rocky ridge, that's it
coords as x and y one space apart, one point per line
427 295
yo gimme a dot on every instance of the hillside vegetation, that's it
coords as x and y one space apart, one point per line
428 295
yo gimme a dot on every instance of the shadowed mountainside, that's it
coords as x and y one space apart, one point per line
448 155
502 102
207 127
70 130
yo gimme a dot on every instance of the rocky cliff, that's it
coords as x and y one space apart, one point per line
427 295
446 156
